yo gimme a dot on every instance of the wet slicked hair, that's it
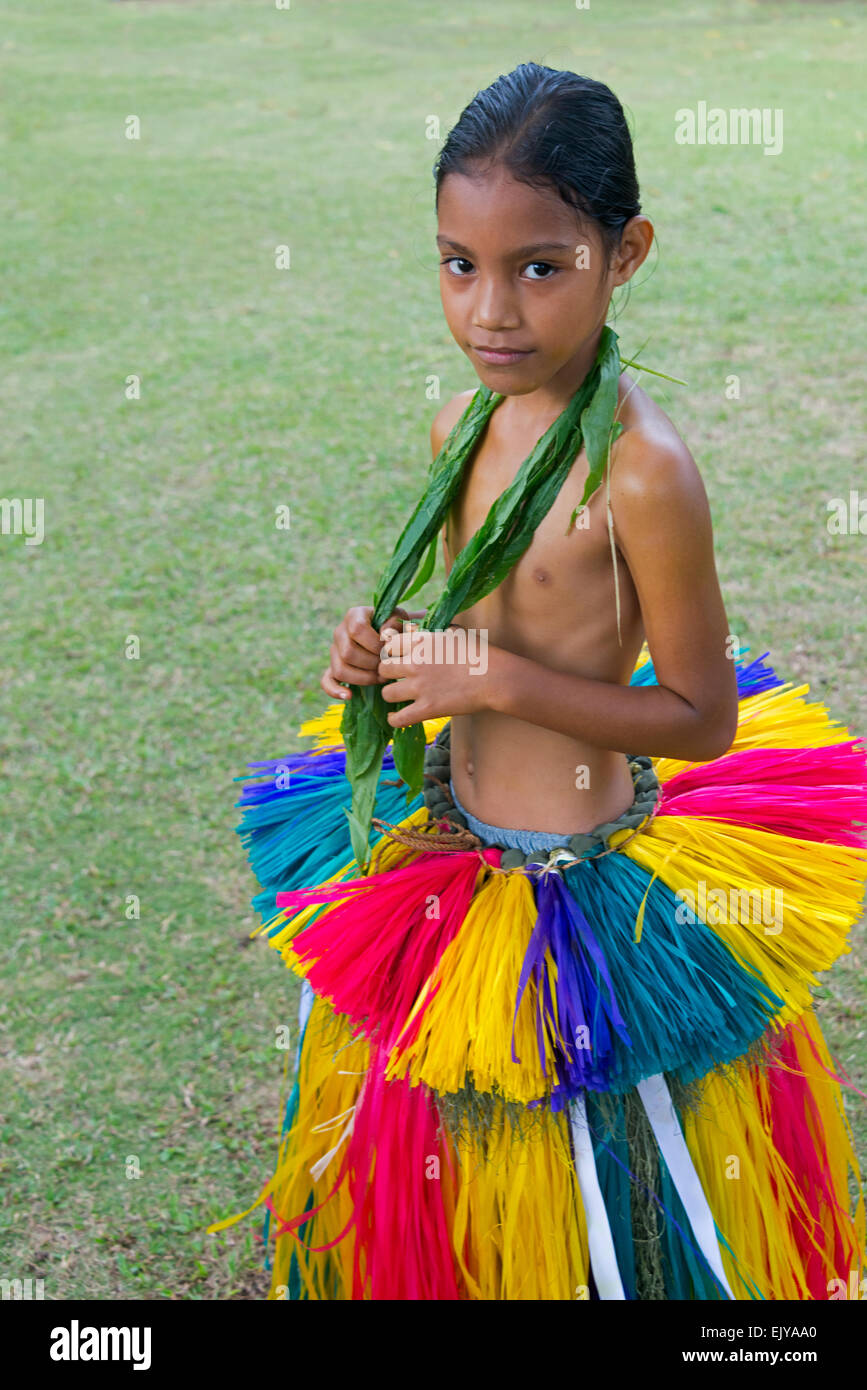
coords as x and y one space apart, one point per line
551 129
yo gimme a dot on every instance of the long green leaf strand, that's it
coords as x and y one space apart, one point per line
480 566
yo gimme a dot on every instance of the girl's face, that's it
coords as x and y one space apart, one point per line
517 275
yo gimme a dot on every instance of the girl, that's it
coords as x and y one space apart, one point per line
557 1036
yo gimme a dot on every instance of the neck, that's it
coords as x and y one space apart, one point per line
535 410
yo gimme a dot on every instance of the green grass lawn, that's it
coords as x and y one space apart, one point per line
152 1041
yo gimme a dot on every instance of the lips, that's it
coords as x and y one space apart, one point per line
502 354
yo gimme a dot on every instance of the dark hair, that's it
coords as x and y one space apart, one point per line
554 129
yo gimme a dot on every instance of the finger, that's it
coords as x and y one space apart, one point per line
396 657
402 620
396 619
410 639
353 665
396 691
359 632
407 651
346 650
332 688
402 616
398 647
392 644
403 718
343 674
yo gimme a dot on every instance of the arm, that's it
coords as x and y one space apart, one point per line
663 530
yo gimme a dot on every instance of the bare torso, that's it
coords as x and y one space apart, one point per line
556 606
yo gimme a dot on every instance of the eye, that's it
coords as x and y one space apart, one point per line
544 265
452 261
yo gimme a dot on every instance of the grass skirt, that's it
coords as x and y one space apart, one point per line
600 1080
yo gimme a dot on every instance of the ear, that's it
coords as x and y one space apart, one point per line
635 243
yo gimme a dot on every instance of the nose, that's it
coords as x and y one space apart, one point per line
494 306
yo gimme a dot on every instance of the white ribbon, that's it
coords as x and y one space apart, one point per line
603 1260
672 1145
307 997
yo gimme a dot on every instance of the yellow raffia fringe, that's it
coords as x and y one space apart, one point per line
779 718
821 887
753 1194
465 1027
329 1085
515 1214
516 1219
519 1229
517 1208
642 658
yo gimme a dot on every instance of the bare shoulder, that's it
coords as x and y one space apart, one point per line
447 417
653 472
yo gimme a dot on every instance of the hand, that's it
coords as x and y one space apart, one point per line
456 683
355 650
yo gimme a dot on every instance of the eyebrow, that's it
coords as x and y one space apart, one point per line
519 250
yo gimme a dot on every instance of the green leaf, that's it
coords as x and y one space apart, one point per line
431 509
426 570
362 729
636 366
408 748
366 732
598 418
358 834
481 565
513 517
